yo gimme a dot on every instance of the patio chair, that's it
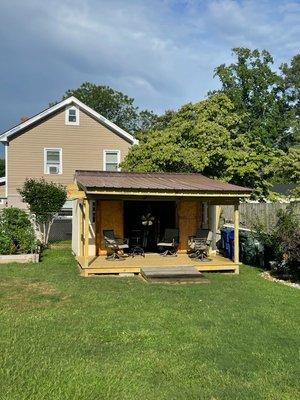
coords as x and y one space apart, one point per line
200 243
170 241
201 233
115 245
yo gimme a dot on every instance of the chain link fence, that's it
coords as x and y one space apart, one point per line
61 229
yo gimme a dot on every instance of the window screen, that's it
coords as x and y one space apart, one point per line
111 161
53 162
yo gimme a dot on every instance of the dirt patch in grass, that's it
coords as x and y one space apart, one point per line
20 294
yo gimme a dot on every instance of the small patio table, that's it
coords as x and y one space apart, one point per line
137 249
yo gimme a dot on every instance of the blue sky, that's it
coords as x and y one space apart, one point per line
162 53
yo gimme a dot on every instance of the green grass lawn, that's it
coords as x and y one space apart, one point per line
67 337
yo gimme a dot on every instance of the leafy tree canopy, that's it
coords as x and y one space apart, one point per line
291 74
241 134
264 97
45 200
113 105
204 137
287 170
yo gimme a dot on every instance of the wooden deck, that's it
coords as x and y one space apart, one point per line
99 265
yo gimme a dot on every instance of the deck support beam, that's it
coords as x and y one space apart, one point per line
236 236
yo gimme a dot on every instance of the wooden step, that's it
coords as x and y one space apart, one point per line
176 274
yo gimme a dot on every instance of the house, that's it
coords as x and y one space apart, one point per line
118 200
2 191
57 141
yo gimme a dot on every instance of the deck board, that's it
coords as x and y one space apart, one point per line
99 265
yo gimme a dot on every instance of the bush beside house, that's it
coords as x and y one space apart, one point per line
45 200
16 232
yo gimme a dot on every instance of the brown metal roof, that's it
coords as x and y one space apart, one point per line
160 181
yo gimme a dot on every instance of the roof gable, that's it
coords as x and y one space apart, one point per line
64 103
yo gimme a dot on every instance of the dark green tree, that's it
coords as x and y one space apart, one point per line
45 200
204 137
113 105
291 75
260 95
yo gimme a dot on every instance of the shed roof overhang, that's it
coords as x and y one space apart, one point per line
156 186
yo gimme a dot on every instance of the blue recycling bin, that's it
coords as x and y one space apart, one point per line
227 242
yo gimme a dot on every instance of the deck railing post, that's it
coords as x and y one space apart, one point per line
236 235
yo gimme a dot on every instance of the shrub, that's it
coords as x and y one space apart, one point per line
287 237
45 200
251 249
6 244
282 244
16 232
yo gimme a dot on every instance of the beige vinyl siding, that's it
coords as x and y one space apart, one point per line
2 190
82 148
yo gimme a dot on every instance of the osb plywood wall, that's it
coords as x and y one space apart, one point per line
189 219
109 216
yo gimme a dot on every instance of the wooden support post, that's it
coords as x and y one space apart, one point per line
205 215
80 217
213 226
218 216
236 236
86 231
97 229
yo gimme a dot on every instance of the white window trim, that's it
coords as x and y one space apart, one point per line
63 217
118 159
67 122
45 160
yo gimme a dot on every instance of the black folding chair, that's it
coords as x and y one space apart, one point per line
169 242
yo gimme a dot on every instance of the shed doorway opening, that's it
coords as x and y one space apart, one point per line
146 221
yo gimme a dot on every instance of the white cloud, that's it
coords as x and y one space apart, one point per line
161 52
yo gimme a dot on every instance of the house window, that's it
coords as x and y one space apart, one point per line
66 212
53 161
72 116
111 160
